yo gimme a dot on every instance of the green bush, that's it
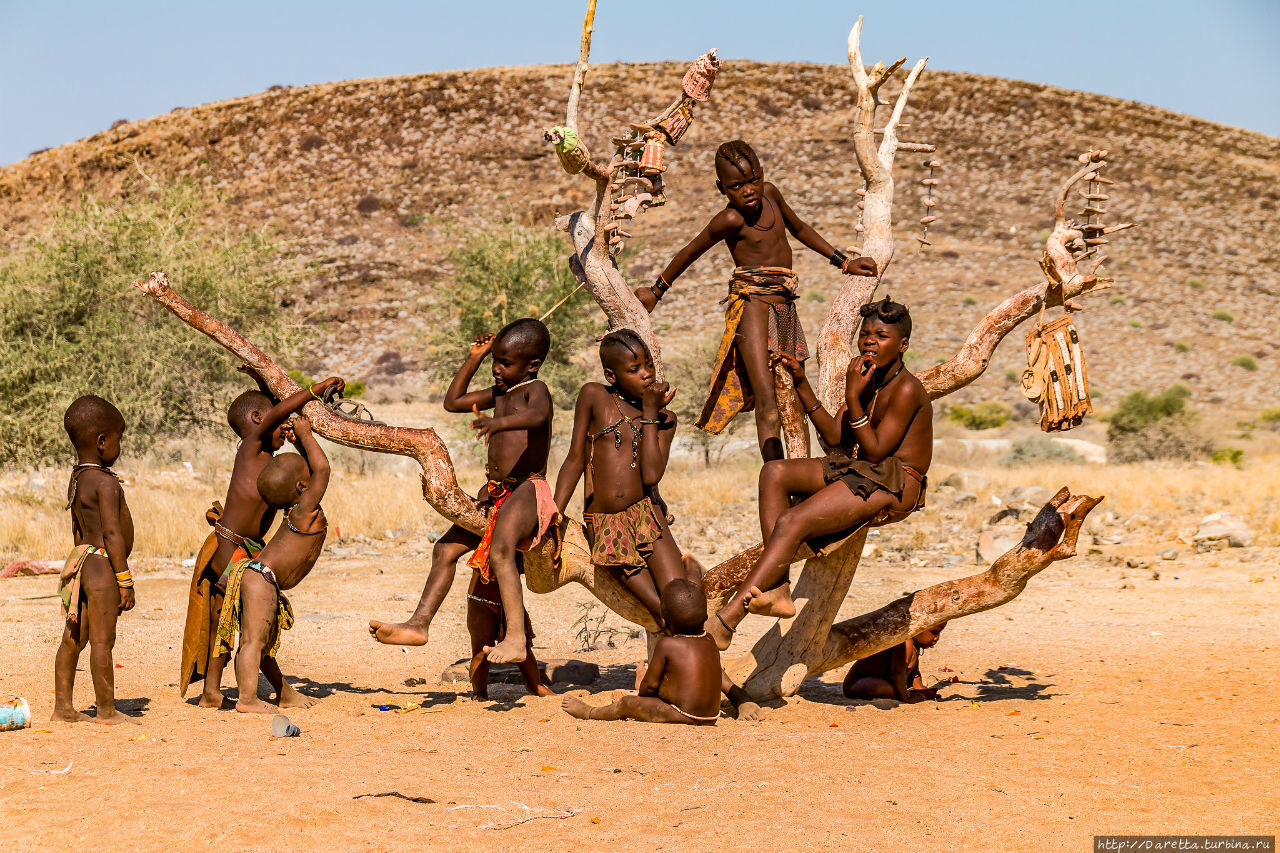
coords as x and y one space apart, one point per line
982 416
815 294
70 323
1247 362
1036 449
1270 415
1118 299
1195 284
1133 324
1181 346
689 375
1158 426
505 274
1224 315
969 300
1229 455
351 390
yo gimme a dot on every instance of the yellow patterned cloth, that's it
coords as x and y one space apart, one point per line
229 622
625 538
730 390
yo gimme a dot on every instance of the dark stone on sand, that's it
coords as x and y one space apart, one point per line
555 671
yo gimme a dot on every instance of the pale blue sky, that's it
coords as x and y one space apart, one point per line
69 68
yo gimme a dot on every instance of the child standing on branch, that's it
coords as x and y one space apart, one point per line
760 314
881 443
621 441
95 585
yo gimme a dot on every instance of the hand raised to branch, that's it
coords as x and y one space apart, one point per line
656 397
860 266
791 365
480 347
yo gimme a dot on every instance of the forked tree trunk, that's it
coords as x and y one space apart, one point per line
808 644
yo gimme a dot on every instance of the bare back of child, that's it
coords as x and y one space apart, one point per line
245 519
760 314
882 446
518 500
683 681
893 673
96 585
621 442
255 606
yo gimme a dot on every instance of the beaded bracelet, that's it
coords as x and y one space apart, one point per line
124 579
860 422
651 420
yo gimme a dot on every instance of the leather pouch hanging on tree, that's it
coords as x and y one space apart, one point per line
1056 376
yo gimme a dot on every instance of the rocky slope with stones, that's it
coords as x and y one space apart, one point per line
371 183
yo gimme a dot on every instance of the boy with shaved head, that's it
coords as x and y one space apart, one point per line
95 585
760 312
255 605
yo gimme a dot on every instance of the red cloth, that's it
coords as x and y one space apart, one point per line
498 494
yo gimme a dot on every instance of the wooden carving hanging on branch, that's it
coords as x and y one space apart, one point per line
1056 377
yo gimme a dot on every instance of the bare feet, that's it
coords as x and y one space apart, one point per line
575 707
776 602
750 712
510 650
290 698
114 718
210 700
541 690
719 631
398 633
68 715
254 706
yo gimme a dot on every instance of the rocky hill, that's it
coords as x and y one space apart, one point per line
370 184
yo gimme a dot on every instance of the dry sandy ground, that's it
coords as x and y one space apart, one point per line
1094 703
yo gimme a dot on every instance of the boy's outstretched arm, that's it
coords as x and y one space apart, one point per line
804 232
457 399
286 407
657 428
252 372
110 497
721 226
827 426
316 461
876 443
537 414
653 675
575 462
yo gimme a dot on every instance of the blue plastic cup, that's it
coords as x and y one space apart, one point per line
14 715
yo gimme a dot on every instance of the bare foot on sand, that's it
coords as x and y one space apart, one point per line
210 700
776 602
510 650
398 633
575 707
750 712
290 698
719 631
254 706
115 718
68 715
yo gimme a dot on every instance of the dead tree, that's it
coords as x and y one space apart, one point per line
808 644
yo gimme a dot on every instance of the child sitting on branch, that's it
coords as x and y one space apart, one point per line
881 444
760 314
621 441
521 509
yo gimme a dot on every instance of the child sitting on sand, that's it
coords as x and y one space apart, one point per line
881 443
519 504
95 584
238 530
760 314
683 681
621 441
893 673
255 605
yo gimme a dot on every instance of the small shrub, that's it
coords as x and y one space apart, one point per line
982 416
969 300
1270 415
1118 299
1155 427
1133 324
1037 449
1195 284
1012 375
1181 346
1246 362
1224 316
1228 455
815 294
